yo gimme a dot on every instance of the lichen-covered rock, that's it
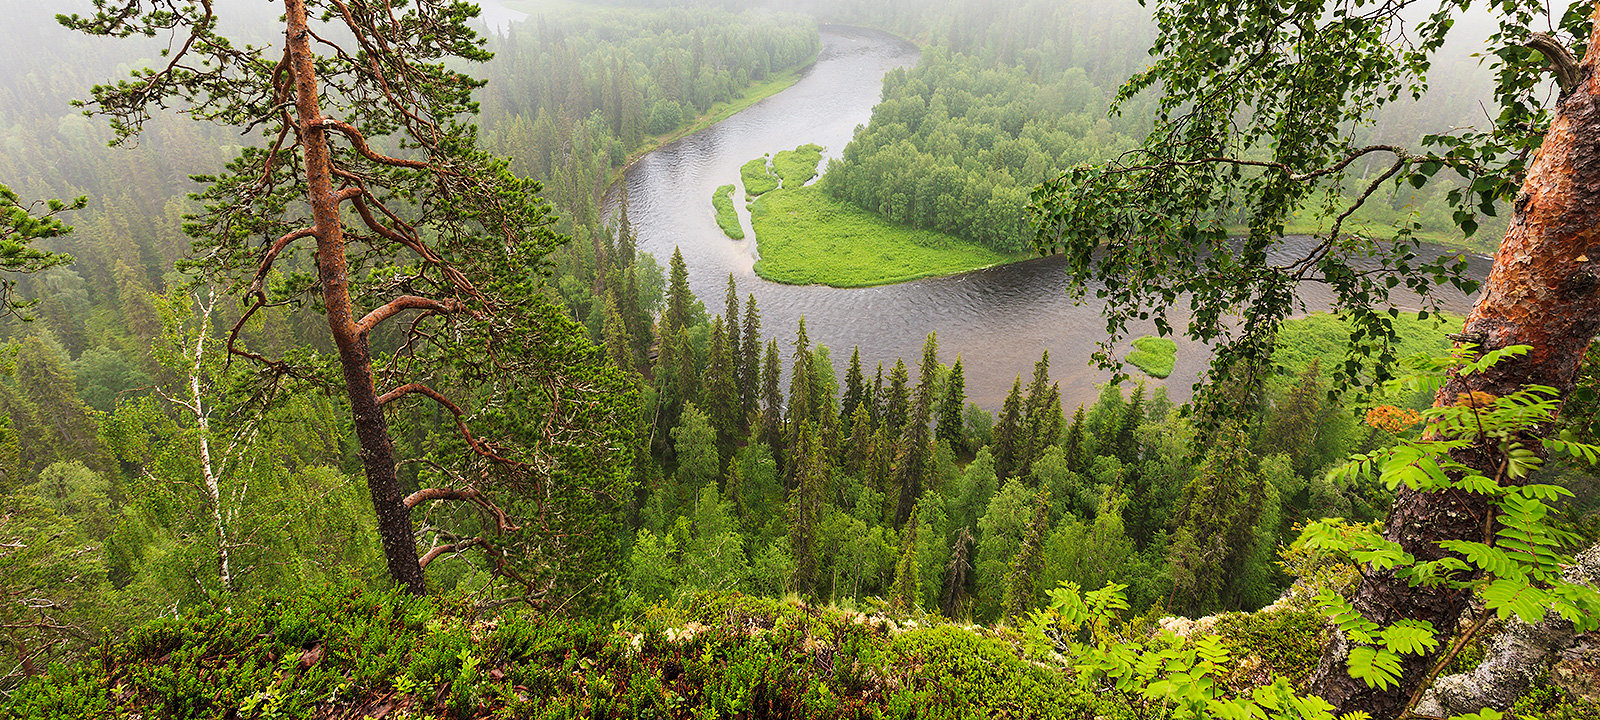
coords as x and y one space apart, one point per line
1520 655
1578 669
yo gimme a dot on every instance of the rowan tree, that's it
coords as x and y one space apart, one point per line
1259 117
427 258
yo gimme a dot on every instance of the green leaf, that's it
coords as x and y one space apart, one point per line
1409 637
1377 668
1507 596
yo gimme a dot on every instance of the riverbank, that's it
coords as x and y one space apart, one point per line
806 237
716 113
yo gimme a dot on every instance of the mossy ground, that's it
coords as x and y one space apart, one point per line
1154 355
354 654
727 217
809 238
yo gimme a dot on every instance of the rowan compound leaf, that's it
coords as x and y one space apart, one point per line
1508 596
1376 667
1409 637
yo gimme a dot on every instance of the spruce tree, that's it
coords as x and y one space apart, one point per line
680 301
771 402
627 239
1009 432
907 571
1077 451
721 395
731 316
951 406
855 390
858 450
1214 527
918 436
897 402
957 574
810 463
1029 561
750 359
1125 443
878 397
802 390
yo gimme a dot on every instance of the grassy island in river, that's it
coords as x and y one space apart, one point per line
727 218
807 237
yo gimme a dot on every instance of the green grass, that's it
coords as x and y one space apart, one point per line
727 217
758 178
796 167
808 238
1324 336
1154 355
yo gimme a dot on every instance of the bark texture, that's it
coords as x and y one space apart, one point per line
372 429
1542 293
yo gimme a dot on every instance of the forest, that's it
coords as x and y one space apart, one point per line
332 388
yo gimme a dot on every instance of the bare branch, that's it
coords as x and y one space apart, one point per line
359 142
1562 64
478 446
271 256
404 303
451 548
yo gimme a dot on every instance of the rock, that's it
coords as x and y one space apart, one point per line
1521 654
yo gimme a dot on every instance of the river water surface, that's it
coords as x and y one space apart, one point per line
998 320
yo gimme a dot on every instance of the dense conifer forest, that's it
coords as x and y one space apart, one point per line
502 462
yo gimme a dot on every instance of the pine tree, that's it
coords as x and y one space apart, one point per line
680 301
802 390
1029 561
1009 433
907 572
951 407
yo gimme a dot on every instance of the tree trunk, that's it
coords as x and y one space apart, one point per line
1541 293
372 429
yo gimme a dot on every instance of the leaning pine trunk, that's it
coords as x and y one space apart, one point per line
372 429
1541 293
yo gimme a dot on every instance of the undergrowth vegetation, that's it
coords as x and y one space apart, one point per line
358 653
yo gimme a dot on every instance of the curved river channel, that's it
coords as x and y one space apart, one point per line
998 320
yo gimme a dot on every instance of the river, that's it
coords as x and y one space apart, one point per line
998 320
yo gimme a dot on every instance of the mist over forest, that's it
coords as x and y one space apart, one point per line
1126 360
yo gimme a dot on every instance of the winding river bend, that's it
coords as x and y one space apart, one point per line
998 320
